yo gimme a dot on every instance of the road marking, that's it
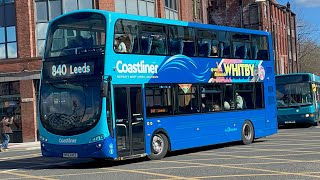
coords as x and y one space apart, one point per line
244 168
26 175
295 140
79 174
115 171
278 144
239 175
19 157
262 157
266 150
150 173
200 159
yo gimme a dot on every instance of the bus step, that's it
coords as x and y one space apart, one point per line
131 157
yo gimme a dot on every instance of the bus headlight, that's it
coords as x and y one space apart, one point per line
43 139
309 115
97 138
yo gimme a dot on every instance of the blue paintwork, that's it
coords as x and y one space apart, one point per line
184 131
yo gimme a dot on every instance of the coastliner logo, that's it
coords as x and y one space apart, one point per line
229 129
68 140
139 67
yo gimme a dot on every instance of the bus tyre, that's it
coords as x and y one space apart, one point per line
247 133
159 146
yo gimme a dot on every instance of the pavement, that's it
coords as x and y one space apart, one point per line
25 146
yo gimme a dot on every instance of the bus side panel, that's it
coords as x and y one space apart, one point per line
187 131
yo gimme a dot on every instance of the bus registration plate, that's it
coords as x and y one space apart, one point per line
290 122
70 155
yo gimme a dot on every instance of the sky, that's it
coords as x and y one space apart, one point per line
309 12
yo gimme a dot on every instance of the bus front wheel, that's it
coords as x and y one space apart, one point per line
247 132
159 146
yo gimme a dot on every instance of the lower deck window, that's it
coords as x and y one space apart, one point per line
174 99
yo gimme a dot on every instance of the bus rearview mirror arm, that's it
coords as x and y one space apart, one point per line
105 85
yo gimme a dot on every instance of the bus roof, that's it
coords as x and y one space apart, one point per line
294 74
165 21
314 77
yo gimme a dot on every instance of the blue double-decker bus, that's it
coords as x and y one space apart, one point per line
298 98
118 86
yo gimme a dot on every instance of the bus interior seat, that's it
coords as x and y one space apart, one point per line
72 43
240 52
158 47
204 49
262 55
226 51
135 46
189 49
89 43
176 47
254 52
131 44
247 52
146 43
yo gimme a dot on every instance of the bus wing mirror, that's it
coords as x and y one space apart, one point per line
105 86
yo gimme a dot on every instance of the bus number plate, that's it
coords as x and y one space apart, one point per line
70 155
290 122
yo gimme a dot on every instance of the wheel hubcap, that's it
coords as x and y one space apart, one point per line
157 144
247 132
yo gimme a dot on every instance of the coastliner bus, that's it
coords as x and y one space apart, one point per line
118 86
298 98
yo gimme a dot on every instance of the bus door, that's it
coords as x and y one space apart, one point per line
129 120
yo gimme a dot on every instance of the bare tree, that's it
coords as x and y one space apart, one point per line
308 46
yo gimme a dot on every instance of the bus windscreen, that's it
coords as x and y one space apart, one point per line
77 34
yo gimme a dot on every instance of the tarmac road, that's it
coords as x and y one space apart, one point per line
290 154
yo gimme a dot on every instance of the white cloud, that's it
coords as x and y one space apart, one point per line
308 3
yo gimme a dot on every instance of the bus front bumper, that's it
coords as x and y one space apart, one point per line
92 150
296 119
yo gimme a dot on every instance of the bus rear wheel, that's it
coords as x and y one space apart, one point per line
247 132
159 146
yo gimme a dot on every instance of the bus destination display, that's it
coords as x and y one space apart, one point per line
64 70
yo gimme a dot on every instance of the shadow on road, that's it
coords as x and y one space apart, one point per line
39 162
296 126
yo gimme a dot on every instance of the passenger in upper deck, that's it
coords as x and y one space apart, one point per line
214 51
119 45
76 42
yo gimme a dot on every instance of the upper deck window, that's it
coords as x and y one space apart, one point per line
46 10
76 34
260 50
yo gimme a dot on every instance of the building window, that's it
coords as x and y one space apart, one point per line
138 7
8 40
171 9
47 10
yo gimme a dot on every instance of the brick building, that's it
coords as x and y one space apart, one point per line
263 15
23 25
